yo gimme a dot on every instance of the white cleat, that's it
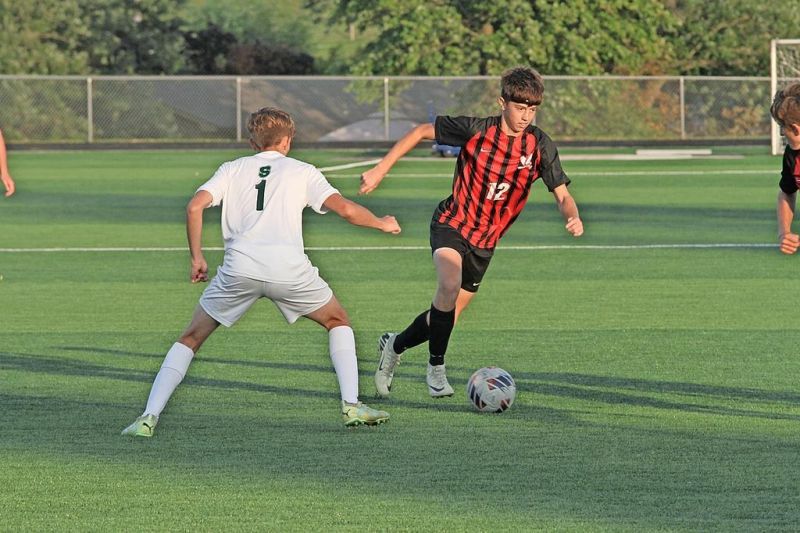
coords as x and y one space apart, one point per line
387 362
438 386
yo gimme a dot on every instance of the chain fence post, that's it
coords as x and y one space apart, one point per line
386 108
238 109
89 112
683 108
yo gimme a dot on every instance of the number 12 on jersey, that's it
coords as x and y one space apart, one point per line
497 191
263 172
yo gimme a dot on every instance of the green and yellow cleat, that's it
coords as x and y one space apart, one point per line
355 414
144 426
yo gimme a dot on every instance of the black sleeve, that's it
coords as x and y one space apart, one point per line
550 165
788 183
456 131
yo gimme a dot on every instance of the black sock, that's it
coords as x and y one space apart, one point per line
414 335
441 326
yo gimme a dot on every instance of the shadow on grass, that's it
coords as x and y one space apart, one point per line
565 385
552 461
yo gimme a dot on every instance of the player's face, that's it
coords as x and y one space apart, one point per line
792 133
517 116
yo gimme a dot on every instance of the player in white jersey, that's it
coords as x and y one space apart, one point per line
263 197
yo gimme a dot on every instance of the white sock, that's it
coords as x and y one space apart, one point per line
343 354
173 369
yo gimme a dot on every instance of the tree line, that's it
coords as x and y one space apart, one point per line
392 37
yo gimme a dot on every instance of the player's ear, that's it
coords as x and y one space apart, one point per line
795 129
502 103
254 146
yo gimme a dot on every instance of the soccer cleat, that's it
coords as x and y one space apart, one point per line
438 386
387 362
355 414
144 426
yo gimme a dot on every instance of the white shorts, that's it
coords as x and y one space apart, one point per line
227 297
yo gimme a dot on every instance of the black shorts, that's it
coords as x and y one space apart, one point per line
474 261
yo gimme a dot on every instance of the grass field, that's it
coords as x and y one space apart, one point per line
658 386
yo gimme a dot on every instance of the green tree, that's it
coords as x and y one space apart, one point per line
730 37
441 37
591 37
134 37
271 22
42 37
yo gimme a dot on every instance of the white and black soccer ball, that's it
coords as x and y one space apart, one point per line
491 390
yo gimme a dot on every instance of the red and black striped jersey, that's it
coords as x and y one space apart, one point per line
493 175
790 174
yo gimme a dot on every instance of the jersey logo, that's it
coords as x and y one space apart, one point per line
525 161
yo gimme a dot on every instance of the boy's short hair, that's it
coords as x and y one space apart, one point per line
522 85
269 125
785 108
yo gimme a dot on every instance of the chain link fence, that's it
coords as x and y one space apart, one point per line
198 109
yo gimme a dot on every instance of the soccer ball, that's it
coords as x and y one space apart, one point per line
491 389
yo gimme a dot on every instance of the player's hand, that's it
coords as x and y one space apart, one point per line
789 243
199 270
390 225
8 183
370 180
575 226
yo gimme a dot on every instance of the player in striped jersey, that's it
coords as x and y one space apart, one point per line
500 158
785 110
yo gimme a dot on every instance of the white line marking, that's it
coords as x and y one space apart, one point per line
408 248
769 172
351 165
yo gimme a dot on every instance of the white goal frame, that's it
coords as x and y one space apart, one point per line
776 81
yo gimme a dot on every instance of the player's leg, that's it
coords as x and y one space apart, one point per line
172 371
442 237
342 344
392 345
333 317
464 298
312 298
448 263
177 361
224 301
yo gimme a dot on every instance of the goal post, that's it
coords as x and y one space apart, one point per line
784 68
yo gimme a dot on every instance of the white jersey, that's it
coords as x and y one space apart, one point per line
263 197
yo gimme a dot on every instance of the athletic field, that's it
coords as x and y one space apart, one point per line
655 358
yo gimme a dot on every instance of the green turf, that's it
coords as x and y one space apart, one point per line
658 388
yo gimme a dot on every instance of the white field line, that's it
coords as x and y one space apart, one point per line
351 165
767 172
409 248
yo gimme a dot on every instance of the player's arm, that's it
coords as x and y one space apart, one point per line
372 177
786 205
194 233
358 215
5 175
569 210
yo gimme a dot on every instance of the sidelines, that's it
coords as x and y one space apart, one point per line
410 248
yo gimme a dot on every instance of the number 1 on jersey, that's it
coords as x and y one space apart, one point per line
263 172
260 200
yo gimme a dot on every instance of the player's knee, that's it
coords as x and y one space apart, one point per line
449 289
336 319
191 340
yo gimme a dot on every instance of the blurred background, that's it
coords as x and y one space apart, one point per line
366 71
